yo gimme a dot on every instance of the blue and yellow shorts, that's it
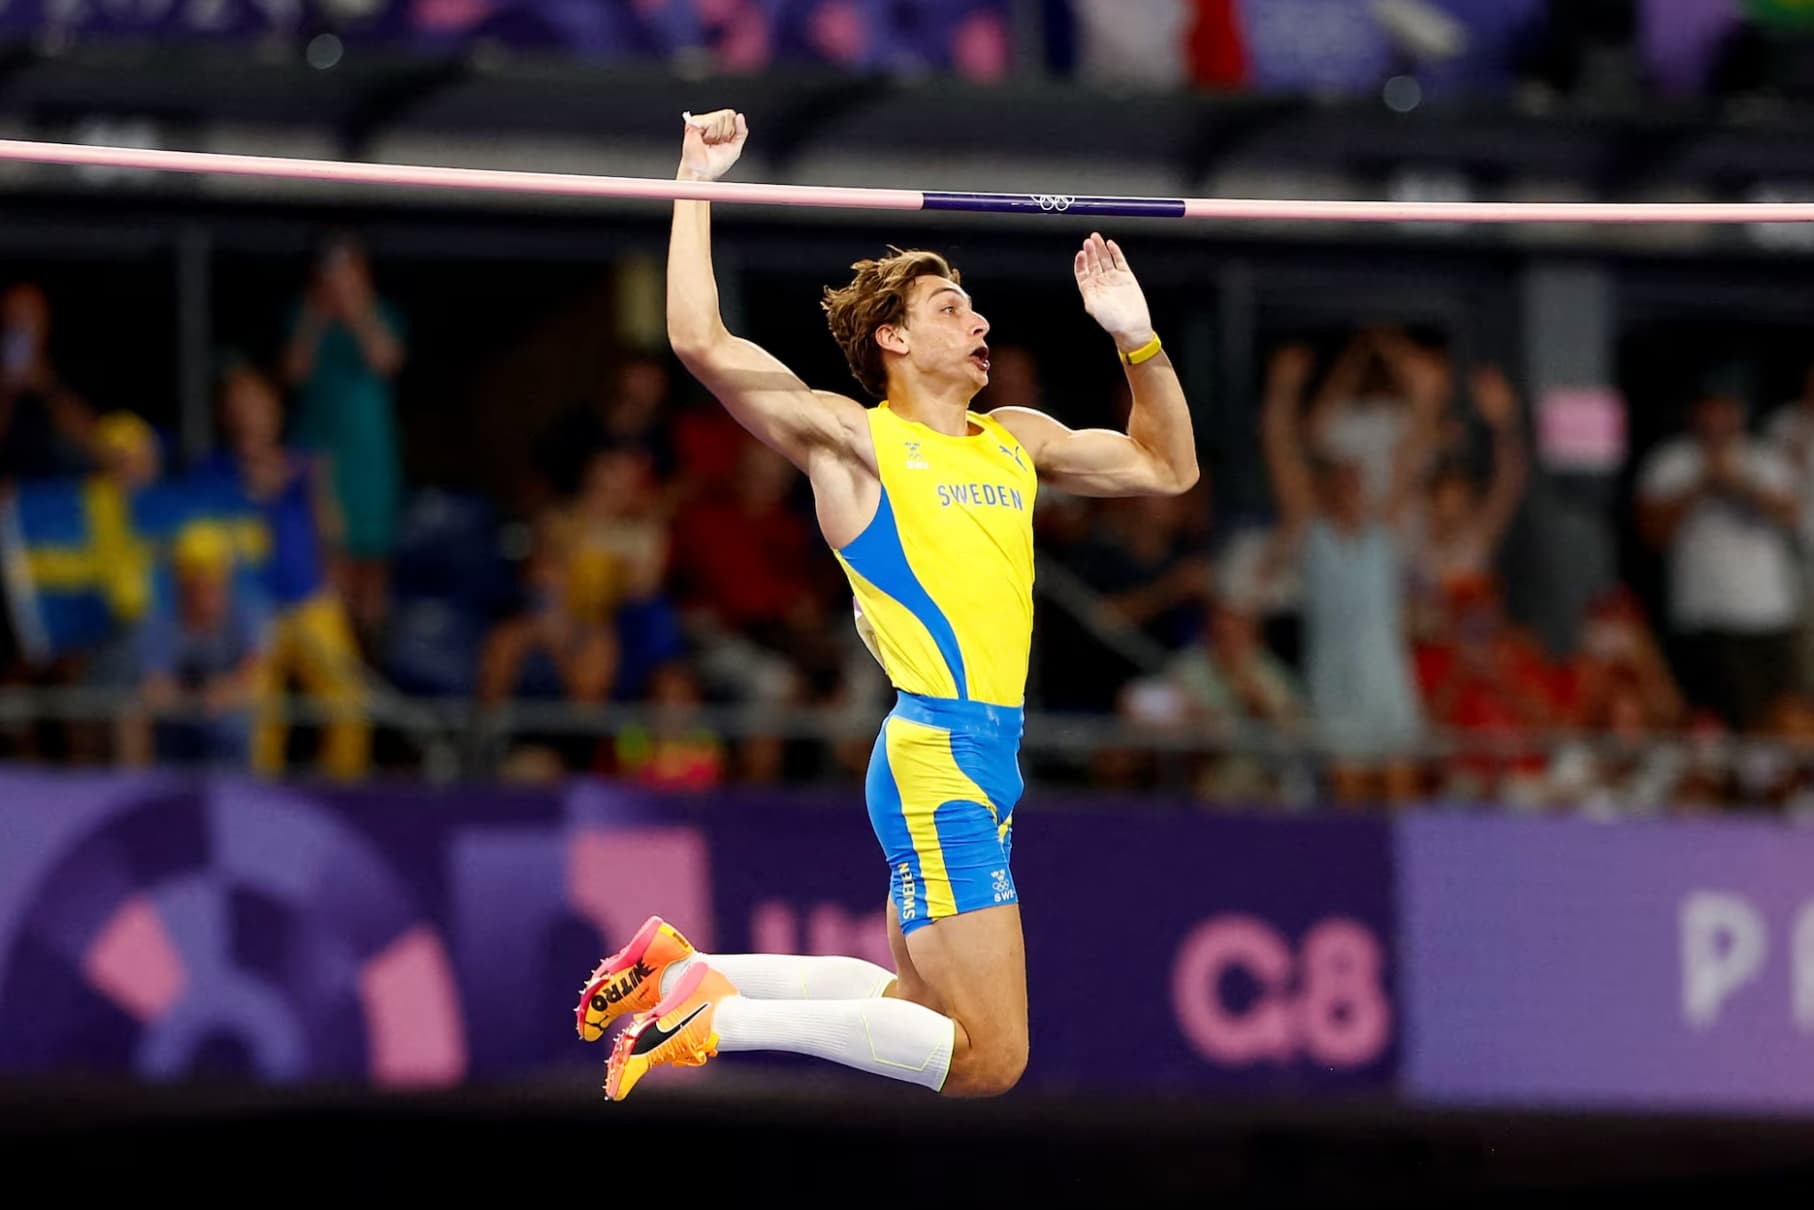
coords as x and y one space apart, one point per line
943 781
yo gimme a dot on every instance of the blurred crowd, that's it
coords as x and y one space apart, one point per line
651 557
1615 51
254 607
1368 616
1618 53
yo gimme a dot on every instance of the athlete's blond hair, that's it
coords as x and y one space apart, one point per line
875 297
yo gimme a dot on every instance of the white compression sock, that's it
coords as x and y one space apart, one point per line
893 1038
792 976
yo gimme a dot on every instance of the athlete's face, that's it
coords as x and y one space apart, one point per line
945 336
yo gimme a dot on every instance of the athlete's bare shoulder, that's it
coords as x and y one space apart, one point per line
1029 426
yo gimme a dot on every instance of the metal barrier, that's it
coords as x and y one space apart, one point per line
460 739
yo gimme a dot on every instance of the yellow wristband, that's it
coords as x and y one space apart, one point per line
1145 352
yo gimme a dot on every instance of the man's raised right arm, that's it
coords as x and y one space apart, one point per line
765 396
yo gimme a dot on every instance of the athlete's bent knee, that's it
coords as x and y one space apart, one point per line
1006 1073
987 1073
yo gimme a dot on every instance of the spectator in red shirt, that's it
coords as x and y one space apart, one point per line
745 576
1618 648
707 443
1490 681
743 558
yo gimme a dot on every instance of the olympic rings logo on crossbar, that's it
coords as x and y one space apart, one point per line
1053 201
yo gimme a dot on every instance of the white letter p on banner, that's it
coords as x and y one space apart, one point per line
1804 968
1723 946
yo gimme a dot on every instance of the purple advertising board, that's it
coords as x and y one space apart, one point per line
1166 949
166 927
1641 964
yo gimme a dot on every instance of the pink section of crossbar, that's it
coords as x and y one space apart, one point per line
1500 212
570 184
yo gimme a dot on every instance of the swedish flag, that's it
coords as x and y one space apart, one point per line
82 557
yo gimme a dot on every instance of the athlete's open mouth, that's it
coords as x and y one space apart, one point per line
980 355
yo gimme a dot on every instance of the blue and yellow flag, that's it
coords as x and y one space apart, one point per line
82 557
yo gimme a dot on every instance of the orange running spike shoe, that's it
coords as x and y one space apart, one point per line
677 1031
629 980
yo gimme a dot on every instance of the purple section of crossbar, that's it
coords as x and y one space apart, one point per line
1057 203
